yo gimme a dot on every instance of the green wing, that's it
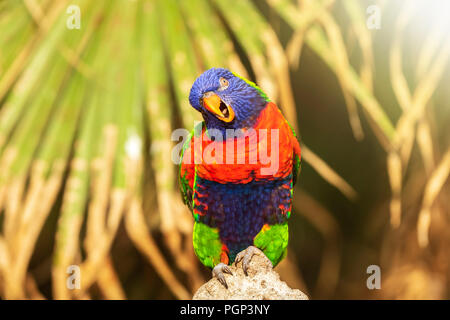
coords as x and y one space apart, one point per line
187 172
296 169
296 158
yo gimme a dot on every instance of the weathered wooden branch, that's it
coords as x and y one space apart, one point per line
262 283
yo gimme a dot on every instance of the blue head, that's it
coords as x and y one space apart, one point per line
226 100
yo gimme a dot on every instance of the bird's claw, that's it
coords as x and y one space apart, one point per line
246 256
218 272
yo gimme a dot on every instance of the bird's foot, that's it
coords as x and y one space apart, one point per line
218 272
246 256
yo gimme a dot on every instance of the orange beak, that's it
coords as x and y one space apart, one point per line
220 109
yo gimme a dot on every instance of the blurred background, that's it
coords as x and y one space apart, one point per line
90 92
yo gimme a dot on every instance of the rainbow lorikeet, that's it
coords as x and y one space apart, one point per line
240 201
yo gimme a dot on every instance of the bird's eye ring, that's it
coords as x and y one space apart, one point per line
223 84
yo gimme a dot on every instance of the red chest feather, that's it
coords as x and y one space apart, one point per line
262 152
